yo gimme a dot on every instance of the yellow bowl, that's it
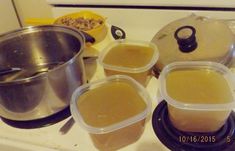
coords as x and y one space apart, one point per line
98 32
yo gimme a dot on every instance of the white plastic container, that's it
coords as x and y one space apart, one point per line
200 95
123 62
121 132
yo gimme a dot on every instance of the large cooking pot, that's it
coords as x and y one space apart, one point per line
195 38
39 69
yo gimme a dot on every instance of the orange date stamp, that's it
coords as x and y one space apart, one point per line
203 139
197 139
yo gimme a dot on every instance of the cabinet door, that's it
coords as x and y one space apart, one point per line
8 18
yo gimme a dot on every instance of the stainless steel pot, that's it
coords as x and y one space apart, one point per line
195 38
39 69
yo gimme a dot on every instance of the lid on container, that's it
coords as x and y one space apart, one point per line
194 38
129 56
98 116
198 85
221 140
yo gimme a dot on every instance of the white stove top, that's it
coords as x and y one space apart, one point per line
176 3
139 24
142 24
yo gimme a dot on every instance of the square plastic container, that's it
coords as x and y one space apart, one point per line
200 95
127 57
112 120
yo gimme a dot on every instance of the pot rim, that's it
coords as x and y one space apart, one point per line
30 29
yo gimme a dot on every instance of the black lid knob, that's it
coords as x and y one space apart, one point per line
186 39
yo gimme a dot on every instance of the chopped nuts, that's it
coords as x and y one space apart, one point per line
81 23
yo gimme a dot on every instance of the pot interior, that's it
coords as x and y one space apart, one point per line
31 51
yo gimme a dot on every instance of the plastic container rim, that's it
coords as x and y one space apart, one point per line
129 69
197 65
94 130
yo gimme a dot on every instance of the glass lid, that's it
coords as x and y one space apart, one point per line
194 38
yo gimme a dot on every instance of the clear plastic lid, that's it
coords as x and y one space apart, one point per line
131 120
194 38
152 61
204 66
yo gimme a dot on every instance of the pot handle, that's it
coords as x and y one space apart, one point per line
88 38
5 71
117 32
155 72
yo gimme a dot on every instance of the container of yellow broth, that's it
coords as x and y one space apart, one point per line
199 95
128 57
112 111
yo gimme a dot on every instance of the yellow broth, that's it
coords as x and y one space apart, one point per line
198 87
108 104
132 56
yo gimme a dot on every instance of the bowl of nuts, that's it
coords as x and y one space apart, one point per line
87 21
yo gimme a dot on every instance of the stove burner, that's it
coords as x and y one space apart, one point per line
43 122
222 140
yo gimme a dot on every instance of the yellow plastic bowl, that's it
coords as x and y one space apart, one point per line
98 32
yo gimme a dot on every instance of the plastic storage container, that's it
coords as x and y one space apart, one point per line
128 57
199 95
112 120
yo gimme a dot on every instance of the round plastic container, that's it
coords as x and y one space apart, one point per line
113 132
128 57
200 95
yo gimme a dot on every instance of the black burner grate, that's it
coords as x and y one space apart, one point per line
47 121
222 140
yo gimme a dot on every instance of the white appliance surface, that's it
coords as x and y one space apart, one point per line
190 3
139 24
9 20
143 24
